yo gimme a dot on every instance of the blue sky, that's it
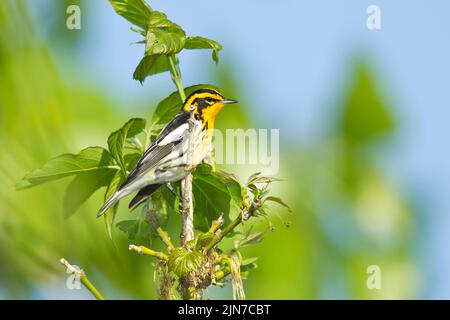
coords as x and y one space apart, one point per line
294 55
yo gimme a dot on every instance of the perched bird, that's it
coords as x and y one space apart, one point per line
175 150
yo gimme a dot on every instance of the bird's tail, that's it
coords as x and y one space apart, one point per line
109 203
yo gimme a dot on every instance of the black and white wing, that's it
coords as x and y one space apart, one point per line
162 150
166 143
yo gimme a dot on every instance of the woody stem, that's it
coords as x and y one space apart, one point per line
187 223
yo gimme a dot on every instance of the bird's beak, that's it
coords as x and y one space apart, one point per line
228 101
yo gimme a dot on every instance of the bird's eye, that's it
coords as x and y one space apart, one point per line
209 100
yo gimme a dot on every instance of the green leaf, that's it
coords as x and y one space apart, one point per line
88 160
163 36
247 265
167 109
261 179
157 212
114 184
252 178
131 160
151 65
236 190
211 197
135 145
182 261
140 31
169 197
204 239
110 215
129 227
204 43
83 186
137 230
277 200
248 261
167 40
170 106
251 239
168 202
116 140
136 11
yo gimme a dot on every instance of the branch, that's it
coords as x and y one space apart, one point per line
82 276
187 224
165 238
245 215
216 224
149 252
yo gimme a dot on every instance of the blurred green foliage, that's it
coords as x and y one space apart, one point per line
364 114
345 214
41 117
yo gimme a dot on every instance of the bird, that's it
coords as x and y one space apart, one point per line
183 144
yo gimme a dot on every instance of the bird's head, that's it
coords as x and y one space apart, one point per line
206 103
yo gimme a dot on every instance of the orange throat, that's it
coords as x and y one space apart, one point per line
210 114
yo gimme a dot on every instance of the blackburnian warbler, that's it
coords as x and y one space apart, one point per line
179 147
